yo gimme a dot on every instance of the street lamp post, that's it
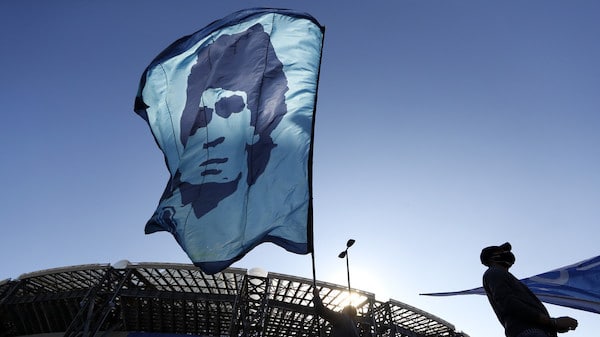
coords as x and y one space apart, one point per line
344 254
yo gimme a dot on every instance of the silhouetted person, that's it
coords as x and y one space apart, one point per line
343 324
519 311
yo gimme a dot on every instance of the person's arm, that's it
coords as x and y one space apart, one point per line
560 324
322 310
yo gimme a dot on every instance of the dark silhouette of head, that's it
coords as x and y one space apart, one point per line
350 311
497 255
245 62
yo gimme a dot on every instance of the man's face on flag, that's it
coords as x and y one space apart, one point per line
234 101
224 138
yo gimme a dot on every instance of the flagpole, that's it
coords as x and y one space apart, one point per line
314 270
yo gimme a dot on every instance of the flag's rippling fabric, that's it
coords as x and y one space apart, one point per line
232 109
575 286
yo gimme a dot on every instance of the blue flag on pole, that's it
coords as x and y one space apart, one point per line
575 286
232 106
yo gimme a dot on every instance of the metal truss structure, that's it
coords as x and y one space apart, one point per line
100 299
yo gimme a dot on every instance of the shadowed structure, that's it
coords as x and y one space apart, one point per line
105 300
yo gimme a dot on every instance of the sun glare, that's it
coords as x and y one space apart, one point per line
364 280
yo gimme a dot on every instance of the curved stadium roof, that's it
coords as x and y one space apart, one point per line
180 299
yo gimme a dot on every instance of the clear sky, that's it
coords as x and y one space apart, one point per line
442 127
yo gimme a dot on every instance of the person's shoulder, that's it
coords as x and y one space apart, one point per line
494 272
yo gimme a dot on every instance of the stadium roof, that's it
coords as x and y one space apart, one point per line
180 299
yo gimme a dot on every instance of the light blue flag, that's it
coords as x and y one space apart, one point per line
232 109
575 286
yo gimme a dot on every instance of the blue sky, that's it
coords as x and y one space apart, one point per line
442 127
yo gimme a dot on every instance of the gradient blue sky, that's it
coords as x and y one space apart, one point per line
442 127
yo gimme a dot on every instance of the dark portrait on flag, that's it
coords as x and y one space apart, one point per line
229 127
231 107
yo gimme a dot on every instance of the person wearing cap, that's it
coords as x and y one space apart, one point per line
519 311
343 323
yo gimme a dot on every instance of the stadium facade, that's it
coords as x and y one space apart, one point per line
159 299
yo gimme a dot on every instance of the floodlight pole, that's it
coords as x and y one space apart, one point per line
348 272
344 254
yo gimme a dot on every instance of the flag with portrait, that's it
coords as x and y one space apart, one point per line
231 107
